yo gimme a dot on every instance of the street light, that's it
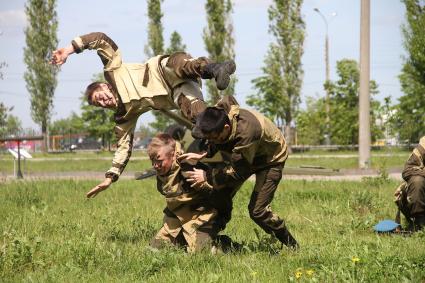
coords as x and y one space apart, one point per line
327 141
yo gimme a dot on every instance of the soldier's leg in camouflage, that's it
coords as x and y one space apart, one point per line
222 200
189 68
416 200
162 239
260 211
201 239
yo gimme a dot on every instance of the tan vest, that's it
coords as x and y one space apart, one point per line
136 81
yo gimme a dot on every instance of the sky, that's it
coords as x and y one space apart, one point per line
126 21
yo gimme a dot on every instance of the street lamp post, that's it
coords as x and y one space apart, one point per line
327 107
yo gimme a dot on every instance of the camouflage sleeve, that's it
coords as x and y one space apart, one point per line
415 164
106 48
124 134
228 175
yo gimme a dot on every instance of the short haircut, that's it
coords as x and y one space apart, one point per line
90 89
212 120
159 141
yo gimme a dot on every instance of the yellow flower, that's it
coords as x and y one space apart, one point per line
355 259
298 274
310 272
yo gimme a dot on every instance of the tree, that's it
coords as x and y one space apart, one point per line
410 110
155 47
155 44
67 126
40 76
344 97
2 65
98 121
310 123
176 43
10 125
278 90
219 41
145 132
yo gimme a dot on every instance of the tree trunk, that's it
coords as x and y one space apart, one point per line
45 147
288 136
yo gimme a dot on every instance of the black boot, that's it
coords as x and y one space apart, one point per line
419 222
286 238
220 72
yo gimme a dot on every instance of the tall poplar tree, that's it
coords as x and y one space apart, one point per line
176 43
40 76
410 111
155 46
278 90
219 41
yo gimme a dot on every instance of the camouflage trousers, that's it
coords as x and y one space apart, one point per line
267 181
196 234
410 197
188 99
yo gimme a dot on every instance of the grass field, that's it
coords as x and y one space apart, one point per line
49 232
99 162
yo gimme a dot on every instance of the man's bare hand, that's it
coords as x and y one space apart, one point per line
197 178
191 158
60 55
102 186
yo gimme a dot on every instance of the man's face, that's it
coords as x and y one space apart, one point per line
103 97
163 161
219 138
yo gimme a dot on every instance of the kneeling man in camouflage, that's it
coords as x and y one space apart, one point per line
190 217
410 196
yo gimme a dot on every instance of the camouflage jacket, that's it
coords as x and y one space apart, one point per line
253 144
415 164
139 88
190 206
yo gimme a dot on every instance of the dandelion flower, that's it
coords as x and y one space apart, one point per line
310 272
298 274
355 259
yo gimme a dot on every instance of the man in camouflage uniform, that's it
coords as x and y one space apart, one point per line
256 146
189 217
163 82
410 196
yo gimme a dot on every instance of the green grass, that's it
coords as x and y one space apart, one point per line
377 162
49 232
99 162
66 162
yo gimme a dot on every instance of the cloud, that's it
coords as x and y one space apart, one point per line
13 18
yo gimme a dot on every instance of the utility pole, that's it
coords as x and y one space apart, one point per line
328 77
364 96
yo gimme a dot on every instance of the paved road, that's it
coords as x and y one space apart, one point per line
345 175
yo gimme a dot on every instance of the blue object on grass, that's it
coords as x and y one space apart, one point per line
386 226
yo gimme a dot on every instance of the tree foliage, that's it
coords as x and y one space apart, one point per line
10 125
219 40
71 125
2 65
344 100
410 111
40 76
155 44
176 43
155 47
311 122
344 110
278 90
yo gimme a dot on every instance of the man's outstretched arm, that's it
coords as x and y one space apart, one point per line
106 49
